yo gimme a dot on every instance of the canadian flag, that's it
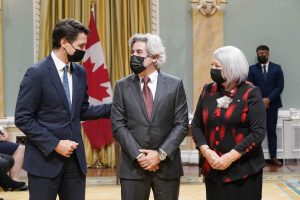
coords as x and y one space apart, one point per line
99 132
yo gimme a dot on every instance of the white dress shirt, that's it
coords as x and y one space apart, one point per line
267 66
152 84
60 69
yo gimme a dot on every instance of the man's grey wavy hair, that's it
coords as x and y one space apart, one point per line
154 46
234 63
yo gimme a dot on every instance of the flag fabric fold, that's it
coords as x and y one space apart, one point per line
99 132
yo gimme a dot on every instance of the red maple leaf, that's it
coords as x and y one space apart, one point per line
95 90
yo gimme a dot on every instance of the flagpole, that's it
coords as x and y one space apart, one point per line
93 9
97 164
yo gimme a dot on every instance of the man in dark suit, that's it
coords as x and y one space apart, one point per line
51 103
268 77
150 120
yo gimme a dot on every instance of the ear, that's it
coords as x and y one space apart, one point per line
63 42
154 58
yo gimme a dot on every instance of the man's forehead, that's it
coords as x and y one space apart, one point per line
262 51
139 45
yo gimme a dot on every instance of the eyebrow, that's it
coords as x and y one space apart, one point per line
137 50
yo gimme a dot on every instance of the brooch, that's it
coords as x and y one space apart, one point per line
224 102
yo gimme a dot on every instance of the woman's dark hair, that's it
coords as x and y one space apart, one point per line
69 29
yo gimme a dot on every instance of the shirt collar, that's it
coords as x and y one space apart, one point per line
153 76
267 64
58 63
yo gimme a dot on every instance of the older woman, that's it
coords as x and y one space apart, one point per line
228 128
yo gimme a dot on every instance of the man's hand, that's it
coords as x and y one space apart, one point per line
266 102
66 147
144 165
149 161
3 135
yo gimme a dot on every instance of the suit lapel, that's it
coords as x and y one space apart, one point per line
57 82
137 93
74 84
259 69
270 69
160 92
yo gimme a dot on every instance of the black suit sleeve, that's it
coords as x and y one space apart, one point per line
256 119
28 102
119 125
197 124
178 133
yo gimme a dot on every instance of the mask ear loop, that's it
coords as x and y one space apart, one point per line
148 55
72 45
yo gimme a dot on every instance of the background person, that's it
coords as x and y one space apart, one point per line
15 150
268 77
6 182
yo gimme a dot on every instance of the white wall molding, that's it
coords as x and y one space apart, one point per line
155 16
36 28
288 137
7 122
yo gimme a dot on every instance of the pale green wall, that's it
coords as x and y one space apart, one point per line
17 47
247 23
275 23
175 24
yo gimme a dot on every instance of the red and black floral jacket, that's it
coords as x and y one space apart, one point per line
241 126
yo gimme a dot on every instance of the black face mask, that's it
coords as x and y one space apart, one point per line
216 76
262 59
77 56
137 64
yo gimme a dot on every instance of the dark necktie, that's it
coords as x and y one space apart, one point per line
66 85
148 98
264 71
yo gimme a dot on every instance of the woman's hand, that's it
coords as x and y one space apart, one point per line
211 156
227 159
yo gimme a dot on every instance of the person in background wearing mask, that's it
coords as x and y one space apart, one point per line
51 103
150 120
268 77
228 128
